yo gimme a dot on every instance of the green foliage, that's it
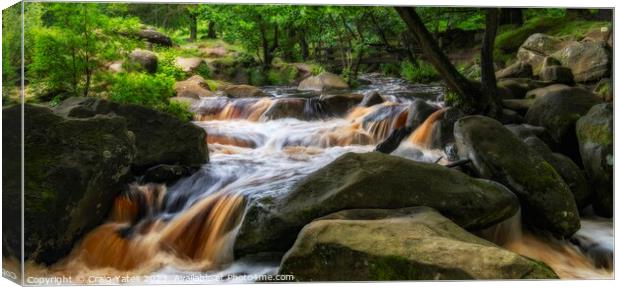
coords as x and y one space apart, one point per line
422 72
140 88
180 110
282 75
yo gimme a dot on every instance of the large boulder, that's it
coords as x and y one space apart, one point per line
417 112
286 108
322 82
341 104
516 88
415 243
517 70
569 171
372 180
536 48
144 59
557 74
498 154
541 92
160 138
243 91
194 88
73 170
557 111
155 37
595 134
589 61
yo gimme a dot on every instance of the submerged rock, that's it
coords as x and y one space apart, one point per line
595 134
73 169
372 180
498 154
400 244
322 82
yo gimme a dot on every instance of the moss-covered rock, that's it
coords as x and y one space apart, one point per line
160 138
595 134
143 59
243 91
536 48
588 61
605 90
557 111
498 154
400 244
194 88
73 169
372 180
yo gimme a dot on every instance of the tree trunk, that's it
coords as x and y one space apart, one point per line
303 45
469 99
211 30
193 27
511 16
489 84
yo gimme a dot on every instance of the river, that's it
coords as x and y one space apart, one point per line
185 232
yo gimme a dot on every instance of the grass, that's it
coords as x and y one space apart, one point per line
423 72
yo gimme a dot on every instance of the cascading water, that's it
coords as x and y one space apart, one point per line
189 228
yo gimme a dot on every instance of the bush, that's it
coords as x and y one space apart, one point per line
166 66
423 72
180 110
143 89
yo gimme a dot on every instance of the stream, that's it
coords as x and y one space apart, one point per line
252 156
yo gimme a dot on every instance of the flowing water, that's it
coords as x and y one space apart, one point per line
186 231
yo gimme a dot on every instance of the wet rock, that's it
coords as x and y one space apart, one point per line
189 65
323 82
443 130
372 180
557 111
194 88
372 99
144 59
340 105
418 112
286 108
74 168
165 173
516 70
160 138
588 61
243 91
498 154
415 243
595 134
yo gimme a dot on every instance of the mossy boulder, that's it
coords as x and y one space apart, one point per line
415 243
557 74
372 180
517 70
160 138
191 64
498 154
595 135
541 92
73 169
588 61
557 111
143 59
536 48
605 90
516 88
323 82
